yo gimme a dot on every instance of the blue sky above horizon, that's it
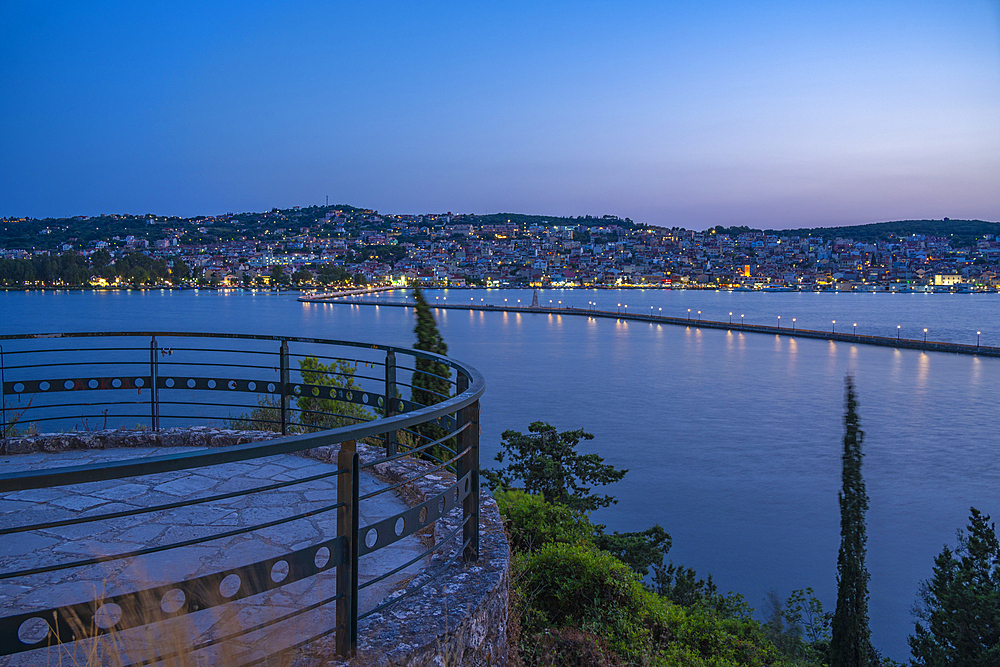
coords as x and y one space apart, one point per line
773 114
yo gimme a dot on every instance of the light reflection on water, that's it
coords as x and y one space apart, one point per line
732 439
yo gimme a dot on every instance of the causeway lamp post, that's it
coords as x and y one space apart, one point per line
977 338
689 313
619 309
855 328
779 321
898 327
699 316
925 334
793 324
833 327
730 317
742 315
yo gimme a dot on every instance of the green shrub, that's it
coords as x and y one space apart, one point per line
533 523
578 585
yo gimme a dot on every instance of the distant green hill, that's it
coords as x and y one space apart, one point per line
961 232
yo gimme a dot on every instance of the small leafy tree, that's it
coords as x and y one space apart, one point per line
546 462
638 550
960 604
315 413
321 413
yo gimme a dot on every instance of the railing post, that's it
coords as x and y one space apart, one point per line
284 387
469 463
390 399
153 396
3 398
347 571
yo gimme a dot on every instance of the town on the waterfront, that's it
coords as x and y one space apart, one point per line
319 246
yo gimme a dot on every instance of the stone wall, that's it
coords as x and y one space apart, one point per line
452 613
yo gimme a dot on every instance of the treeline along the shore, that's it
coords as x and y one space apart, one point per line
73 269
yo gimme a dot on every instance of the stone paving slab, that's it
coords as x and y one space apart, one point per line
114 536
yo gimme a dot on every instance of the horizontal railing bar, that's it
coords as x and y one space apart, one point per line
78 349
36 420
220 349
164 547
88 363
412 450
473 374
349 360
413 479
233 635
169 506
293 647
405 565
219 364
422 584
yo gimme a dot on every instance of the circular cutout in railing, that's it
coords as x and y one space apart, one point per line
211 384
270 387
315 391
252 386
18 388
169 382
230 586
297 390
279 571
33 630
422 517
381 401
400 525
332 393
322 557
456 496
43 386
172 601
401 406
93 384
116 383
191 383
441 507
68 384
107 616
232 385
364 398
371 538
350 396
139 382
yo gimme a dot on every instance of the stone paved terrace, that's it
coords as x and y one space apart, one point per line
108 537
463 613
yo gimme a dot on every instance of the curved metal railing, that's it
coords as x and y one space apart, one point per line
314 392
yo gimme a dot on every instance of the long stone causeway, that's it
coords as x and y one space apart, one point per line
860 339
459 617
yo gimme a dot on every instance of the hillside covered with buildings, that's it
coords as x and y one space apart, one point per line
323 245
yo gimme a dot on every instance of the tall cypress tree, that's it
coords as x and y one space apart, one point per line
850 645
430 380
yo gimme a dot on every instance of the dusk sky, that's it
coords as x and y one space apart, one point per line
769 114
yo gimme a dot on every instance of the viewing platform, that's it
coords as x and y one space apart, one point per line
242 547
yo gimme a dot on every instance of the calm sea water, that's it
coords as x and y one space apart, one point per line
732 440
